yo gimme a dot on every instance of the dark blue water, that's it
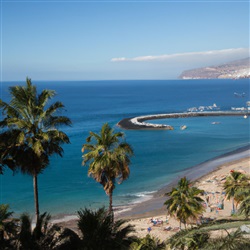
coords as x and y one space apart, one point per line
64 186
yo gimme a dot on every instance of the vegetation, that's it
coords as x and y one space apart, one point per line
184 202
232 185
237 188
29 132
245 206
222 224
44 236
188 239
8 226
199 237
108 159
17 234
100 231
29 239
146 243
232 241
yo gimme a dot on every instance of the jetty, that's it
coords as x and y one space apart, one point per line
140 121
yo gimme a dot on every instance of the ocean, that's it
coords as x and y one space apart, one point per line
159 155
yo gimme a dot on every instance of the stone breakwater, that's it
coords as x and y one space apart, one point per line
139 122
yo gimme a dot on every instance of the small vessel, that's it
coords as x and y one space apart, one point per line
245 116
183 127
215 123
239 94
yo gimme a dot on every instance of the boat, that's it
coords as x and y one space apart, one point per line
215 123
183 127
245 116
204 108
239 94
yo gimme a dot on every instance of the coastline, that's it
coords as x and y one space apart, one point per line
214 195
153 206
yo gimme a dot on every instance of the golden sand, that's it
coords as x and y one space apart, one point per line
212 183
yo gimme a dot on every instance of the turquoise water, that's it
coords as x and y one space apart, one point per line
159 155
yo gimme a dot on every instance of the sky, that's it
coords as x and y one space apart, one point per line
119 40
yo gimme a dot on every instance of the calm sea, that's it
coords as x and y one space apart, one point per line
160 156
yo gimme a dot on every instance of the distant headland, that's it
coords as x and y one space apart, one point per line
232 70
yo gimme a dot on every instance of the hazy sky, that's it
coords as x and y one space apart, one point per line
94 40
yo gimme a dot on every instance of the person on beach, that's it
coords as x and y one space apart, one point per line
149 229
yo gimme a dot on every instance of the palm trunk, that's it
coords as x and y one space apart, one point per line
36 197
233 205
1 236
110 203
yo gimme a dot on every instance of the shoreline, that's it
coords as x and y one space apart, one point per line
194 174
153 206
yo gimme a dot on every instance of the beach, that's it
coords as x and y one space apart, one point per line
208 176
211 183
203 170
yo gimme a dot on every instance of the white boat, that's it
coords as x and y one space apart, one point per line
239 94
245 116
183 127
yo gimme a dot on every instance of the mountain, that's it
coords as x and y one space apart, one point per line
234 70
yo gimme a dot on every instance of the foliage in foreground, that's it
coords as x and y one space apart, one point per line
8 228
245 206
188 239
17 234
146 243
100 231
233 241
199 238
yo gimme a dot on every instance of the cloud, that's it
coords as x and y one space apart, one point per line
234 52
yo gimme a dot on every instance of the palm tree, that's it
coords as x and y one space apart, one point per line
31 238
243 197
30 132
245 207
233 185
100 231
108 159
45 236
8 227
232 241
184 202
146 243
188 239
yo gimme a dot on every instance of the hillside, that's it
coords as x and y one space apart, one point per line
234 70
